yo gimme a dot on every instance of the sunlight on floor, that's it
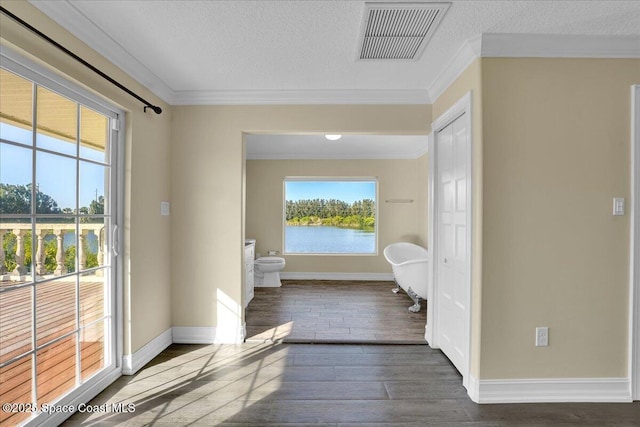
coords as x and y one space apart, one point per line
201 385
275 334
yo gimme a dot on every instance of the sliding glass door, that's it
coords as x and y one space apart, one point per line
58 185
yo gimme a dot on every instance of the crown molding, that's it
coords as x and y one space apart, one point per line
300 97
559 46
71 19
466 54
484 45
532 46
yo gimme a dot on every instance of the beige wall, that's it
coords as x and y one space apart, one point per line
147 244
550 151
556 151
471 81
207 162
397 179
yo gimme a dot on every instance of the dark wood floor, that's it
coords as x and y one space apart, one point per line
314 311
271 384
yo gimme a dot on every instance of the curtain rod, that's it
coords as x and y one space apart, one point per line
147 104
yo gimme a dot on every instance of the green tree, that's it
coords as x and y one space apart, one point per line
16 199
97 206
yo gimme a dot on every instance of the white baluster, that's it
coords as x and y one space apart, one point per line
3 269
82 256
20 269
100 251
40 254
60 268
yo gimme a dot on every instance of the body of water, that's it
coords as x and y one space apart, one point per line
328 240
69 239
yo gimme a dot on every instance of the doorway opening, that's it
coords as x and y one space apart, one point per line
335 296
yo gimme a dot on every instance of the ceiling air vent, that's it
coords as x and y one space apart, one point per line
398 31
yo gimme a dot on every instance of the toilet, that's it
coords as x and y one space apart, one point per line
267 271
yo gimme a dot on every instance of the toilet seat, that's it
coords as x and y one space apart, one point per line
269 260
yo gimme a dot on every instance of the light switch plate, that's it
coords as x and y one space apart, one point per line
618 206
164 208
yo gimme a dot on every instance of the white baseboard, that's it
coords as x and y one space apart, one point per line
336 276
207 335
132 363
548 390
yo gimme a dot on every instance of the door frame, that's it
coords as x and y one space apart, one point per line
462 107
17 62
634 251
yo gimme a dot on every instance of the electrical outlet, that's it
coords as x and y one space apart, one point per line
542 336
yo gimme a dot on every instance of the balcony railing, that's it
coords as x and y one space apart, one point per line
16 264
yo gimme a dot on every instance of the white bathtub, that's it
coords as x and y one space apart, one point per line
409 264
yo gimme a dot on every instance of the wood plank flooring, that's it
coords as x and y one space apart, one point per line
272 383
275 384
323 311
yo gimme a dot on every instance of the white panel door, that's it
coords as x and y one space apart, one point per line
452 262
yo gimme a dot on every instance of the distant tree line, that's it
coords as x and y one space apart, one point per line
16 199
359 214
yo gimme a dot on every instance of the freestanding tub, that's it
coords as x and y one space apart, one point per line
409 264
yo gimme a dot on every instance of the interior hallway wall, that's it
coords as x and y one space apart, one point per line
397 179
556 137
208 177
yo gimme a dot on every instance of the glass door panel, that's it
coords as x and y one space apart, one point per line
56 181
55 309
56 275
93 180
56 369
94 135
16 386
57 122
92 349
16 321
15 179
16 108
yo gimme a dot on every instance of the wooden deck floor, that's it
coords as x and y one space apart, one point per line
55 317
323 311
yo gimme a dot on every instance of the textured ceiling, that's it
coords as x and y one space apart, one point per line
198 52
310 45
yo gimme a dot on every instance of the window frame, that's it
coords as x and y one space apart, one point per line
373 179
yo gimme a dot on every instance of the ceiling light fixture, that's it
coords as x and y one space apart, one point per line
333 137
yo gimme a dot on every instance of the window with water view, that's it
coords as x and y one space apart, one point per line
330 216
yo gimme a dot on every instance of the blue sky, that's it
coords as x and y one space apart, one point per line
347 191
55 175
